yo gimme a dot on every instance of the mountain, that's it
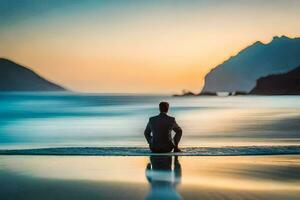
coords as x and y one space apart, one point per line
14 77
279 84
240 72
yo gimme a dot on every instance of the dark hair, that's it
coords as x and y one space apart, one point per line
163 107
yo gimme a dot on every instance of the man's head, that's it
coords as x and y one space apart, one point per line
163 107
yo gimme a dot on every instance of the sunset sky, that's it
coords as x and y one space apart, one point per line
137 46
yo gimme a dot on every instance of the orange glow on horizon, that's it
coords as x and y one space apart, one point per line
151 50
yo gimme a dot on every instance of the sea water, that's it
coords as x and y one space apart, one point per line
48 120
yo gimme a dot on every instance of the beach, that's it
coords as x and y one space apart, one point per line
149 100
123 177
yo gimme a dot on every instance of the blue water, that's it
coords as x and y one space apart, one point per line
43 120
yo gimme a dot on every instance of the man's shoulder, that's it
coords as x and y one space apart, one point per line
171 118
159 116
153 118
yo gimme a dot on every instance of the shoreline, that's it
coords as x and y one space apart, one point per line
143 151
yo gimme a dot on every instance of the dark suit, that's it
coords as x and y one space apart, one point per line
161 126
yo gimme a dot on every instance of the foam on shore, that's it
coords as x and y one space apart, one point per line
142 151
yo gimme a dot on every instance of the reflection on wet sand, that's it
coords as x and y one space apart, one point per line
157 177
163 177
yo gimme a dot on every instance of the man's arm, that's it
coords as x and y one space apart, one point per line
178 133
147 133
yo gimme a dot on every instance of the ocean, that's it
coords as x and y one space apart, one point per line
78 120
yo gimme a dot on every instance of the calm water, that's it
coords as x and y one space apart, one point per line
69 119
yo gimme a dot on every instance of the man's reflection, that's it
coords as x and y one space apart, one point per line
163 177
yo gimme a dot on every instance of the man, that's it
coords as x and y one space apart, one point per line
161 126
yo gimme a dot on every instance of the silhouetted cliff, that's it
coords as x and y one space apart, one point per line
240 72
14 77
279 84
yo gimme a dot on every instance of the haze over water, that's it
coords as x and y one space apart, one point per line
29 120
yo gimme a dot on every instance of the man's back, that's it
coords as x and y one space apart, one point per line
161 127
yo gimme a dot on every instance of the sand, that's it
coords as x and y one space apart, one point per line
115 177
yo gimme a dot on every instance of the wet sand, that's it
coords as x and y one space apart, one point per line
113 177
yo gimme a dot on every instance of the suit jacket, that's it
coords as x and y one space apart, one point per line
161 127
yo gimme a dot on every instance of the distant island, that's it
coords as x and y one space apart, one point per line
276 84
240 72
279 84
189 93
15 77
186 93
250 72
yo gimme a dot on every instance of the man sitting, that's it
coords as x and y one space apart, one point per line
161 126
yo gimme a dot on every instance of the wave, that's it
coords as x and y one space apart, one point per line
142 151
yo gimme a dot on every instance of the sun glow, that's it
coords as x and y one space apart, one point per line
142 47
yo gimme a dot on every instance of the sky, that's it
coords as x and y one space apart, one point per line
158 46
